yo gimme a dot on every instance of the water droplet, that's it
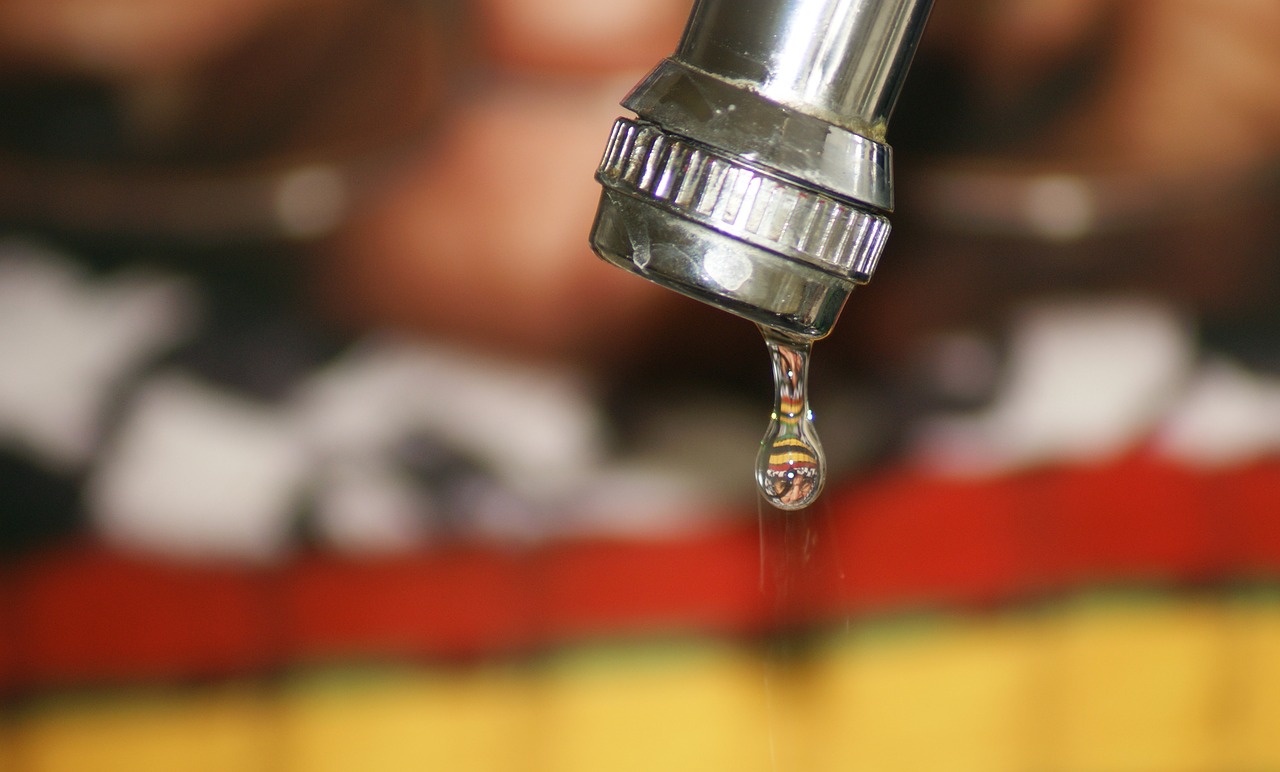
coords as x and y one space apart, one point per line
790 467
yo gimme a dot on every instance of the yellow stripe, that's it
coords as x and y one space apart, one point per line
1099 686
213 731
792 459
954 698
1114 685
690 711
790 406
1253 681
479 721
8 753
1140 688
790 442
790 451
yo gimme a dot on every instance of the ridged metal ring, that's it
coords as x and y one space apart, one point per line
695 182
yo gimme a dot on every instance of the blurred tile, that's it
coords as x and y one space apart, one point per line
927 694
682 707
405 719
1137 685
228 728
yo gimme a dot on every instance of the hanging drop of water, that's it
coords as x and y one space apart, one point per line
790 467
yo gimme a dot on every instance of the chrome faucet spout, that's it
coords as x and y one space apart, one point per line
756 176
840 60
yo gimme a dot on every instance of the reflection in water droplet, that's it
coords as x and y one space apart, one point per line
790 467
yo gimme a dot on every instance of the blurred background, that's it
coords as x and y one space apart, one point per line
326 444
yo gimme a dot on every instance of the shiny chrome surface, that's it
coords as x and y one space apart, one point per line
704 263
756 178
743 123
843 61
713 190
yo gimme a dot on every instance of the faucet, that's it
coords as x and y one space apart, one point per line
756 176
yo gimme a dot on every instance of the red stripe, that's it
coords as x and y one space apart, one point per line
908 539
9 632
709 582
443 604
1138 519
793 466
1248 500
86 615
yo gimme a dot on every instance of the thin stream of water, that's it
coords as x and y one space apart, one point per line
790 472
793 560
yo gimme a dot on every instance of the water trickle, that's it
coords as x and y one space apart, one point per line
790 468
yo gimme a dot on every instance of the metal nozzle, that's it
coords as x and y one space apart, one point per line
756 177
